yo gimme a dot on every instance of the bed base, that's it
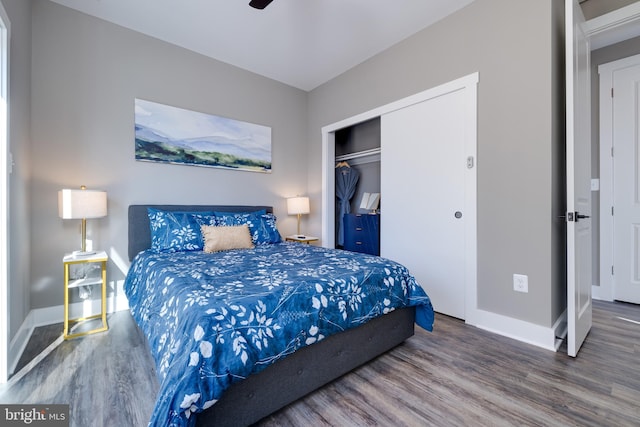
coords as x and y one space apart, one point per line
308 369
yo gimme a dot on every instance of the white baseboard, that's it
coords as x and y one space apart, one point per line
50 315
520 330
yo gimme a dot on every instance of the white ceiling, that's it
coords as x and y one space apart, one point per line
302 43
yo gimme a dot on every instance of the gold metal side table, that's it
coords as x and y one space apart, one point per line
88 280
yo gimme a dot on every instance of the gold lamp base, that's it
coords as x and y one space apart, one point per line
299 235
83 244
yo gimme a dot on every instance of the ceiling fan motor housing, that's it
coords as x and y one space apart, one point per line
259 4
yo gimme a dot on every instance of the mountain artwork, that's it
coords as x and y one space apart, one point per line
169 134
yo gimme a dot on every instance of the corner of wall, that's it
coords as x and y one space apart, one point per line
52 315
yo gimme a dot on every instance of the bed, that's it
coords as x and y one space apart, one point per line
190 303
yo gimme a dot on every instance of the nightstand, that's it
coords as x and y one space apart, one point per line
94 276
301 239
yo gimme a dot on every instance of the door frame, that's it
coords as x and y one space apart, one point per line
5 169
468 83
606 290
615 26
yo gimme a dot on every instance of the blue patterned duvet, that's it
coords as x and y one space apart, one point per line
213 319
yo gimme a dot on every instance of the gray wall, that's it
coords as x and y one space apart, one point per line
557 250
86 74
19 12
594 8
520 165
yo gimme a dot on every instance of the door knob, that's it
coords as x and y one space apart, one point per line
578 216
574 216
458 214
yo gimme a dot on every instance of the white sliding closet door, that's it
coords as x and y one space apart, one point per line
424 171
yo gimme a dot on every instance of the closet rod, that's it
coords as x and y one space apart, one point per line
358 154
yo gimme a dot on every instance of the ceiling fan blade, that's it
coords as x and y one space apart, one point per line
259 4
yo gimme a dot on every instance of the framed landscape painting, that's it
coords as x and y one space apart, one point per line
174 135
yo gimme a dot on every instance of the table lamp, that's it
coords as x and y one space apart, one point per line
298 206
82 204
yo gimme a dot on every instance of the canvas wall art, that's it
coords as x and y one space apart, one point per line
174 135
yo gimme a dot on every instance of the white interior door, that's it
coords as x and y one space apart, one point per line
423 186
579 308
626 188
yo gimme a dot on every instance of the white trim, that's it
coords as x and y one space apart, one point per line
605 289
520 330
471 200
5 34
613 27
51 315
619 64
328 186
606 71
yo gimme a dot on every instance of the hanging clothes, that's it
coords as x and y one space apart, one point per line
346 181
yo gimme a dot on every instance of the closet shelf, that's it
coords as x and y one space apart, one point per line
360 157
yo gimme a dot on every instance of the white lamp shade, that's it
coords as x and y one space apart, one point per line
78 204
298 205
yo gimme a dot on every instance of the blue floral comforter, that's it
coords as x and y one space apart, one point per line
213 319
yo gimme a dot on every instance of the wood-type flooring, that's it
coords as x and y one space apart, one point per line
456 376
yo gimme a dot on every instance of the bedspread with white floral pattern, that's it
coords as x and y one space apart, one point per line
213 319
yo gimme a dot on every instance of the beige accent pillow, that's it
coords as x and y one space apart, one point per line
223 238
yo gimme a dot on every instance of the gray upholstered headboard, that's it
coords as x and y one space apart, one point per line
140 232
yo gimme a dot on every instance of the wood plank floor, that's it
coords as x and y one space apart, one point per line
456 376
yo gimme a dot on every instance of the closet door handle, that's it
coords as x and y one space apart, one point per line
580 216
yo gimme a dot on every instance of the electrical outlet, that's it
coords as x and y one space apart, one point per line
521 283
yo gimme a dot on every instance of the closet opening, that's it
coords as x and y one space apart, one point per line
357 187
